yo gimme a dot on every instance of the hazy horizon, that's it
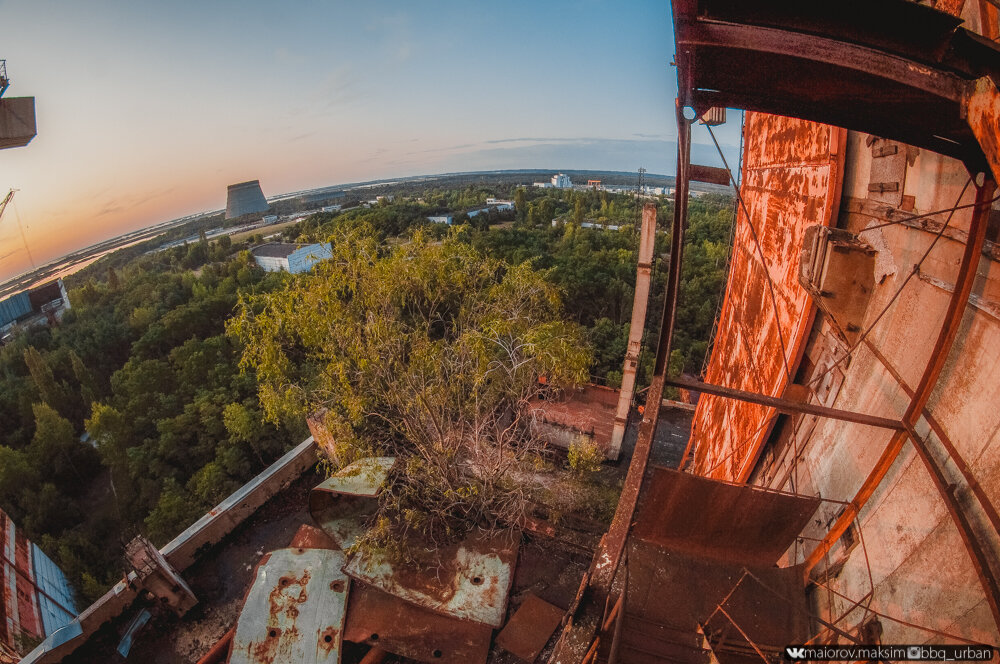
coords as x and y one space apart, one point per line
147 112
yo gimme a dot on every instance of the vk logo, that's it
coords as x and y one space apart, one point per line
795 653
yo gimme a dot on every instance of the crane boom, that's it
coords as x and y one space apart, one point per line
24 238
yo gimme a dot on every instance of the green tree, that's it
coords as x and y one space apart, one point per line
88 388
520 203
56 448
41 373
428 352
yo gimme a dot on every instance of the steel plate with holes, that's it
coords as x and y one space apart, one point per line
342 503
469 580
294 611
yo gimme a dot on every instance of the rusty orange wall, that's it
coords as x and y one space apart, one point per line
792 171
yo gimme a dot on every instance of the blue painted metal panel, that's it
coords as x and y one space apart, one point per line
14 307
56 599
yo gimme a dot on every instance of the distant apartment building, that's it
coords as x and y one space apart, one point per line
442 219
331 208
292 258
557 181
561 181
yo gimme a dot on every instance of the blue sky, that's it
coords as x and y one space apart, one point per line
147 110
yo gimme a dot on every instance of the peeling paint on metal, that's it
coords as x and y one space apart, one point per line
361 478
342 503
294 612
792 171
469 580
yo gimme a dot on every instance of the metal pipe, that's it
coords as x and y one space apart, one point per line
939 355
785 405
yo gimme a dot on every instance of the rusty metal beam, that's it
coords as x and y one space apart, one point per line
577 640
921 394
786 405
610 550
710 174
815 63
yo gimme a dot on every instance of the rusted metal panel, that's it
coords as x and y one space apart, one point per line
469 580
294 611
983 115
530 628
713 519
587 412
342 503
310 537
791 179
380 619
37 599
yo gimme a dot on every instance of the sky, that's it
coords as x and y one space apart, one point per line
146 111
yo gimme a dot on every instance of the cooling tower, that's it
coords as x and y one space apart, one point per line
245 198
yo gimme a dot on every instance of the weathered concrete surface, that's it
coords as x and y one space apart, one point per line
647 241
791 176
920 569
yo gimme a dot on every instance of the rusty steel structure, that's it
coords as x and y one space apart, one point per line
849 77
791 183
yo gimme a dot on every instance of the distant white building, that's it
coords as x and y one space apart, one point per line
442 219
270 219
543 185
492 204
331 208
293 258
561 181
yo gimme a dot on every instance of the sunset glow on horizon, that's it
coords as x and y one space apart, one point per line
147 111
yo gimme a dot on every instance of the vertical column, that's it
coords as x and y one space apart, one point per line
647 239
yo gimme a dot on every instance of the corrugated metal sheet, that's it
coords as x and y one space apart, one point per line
14 307
791 178
56 604
37 598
